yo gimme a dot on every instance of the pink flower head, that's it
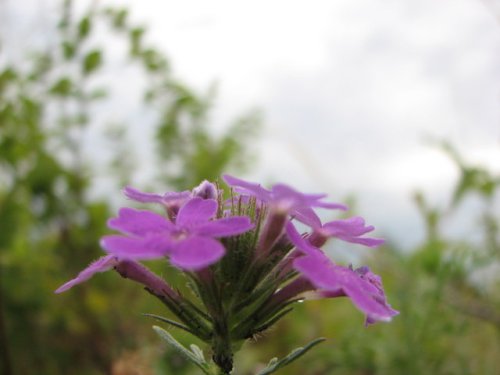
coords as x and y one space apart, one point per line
189 242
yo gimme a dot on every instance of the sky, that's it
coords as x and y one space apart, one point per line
351 90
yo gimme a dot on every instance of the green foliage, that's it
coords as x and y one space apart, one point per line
50 228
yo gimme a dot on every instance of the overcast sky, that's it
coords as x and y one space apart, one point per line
349 89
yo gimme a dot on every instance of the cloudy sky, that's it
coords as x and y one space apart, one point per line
350 89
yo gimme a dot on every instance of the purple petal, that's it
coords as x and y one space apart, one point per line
282 192
139 196
225 227
354 226
140 223
307 216
367 298
350 230
150 247
100 265
332 206
247 188
363 289
299 242
319 270
195 211
195 253
285 192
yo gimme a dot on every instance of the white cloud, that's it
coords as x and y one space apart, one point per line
350 88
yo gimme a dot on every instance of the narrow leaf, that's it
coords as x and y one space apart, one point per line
275 364
187 354
171 322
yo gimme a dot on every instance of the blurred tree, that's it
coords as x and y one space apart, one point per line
49 223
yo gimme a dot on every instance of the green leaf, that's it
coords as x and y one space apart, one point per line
171 322
62 87
119 18
84 27
195 356
275 364
68 49
135 36
92 61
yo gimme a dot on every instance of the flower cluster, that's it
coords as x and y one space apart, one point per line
246 260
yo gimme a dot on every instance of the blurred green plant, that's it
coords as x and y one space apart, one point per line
49 224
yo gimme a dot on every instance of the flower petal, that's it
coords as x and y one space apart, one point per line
247 188
299 242
228 226
307 216
195 253
350 230
139 196
195 211
285 192
150 247
367 299
360 287
319 269
100 265
139 222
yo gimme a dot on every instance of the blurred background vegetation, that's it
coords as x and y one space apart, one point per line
447 288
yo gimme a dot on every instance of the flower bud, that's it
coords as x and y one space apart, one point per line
206 190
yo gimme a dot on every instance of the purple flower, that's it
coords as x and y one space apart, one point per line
285 198
100 265
126 268
362 286
165 199
349 230
173 201
189 242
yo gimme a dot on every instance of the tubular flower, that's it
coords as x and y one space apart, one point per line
361 286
